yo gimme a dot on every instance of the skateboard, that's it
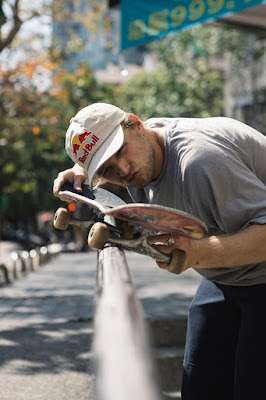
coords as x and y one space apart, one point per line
112 221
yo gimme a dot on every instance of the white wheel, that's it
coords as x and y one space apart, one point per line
61 219
98 236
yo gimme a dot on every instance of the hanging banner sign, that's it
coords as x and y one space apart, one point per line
146 20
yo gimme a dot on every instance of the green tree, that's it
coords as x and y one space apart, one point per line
189 80
33 126
37 100
16 15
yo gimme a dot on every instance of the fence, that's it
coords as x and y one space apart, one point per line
124 367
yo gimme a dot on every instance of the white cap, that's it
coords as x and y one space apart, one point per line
95 135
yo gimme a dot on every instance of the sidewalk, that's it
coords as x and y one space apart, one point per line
45 349
44 352
162 294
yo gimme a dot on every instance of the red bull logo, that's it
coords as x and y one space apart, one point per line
82 144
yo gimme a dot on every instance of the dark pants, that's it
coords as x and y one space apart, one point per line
225 355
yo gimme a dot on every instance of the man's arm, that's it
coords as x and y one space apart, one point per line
244 247
75 175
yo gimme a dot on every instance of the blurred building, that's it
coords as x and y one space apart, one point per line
245 86
77 37
89 31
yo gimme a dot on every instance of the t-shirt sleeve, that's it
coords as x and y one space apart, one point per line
223 191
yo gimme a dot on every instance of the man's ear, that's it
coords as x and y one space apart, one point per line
136 119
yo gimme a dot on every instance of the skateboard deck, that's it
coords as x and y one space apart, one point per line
132 223
160 219
99 199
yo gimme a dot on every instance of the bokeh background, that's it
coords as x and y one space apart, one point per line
59 56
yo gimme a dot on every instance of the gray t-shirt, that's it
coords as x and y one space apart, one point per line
214 169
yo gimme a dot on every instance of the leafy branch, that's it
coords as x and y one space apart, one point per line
16 23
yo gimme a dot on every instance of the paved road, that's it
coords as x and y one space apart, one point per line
45 349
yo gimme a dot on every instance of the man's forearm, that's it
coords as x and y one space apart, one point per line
244 247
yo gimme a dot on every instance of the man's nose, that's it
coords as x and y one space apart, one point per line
123 168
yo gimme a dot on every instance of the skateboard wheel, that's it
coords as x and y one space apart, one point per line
178 262
99 235
61 219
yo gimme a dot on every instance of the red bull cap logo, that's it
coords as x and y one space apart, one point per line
82 145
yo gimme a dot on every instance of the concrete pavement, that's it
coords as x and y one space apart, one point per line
44 352
162 294
45 348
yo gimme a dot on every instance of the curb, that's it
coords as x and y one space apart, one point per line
169 361
167 332
168 337
18 263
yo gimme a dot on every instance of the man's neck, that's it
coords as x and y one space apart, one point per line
159 148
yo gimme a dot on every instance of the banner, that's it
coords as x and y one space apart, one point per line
146 20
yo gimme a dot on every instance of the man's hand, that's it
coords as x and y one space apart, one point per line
180 243
241 248
75 175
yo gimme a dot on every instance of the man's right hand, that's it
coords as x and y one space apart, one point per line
75 175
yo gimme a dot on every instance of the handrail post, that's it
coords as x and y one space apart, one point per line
124 367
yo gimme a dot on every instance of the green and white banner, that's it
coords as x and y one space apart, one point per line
146 20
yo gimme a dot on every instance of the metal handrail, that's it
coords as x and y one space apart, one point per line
124 366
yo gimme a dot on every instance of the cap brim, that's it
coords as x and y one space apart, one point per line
112 144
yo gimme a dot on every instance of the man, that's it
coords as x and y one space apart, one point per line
214 169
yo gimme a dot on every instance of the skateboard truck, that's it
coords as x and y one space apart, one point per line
101 233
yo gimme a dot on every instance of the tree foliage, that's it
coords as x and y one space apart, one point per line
189 79
33 126
37 100
17 16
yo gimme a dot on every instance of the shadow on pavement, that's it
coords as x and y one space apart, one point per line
45 348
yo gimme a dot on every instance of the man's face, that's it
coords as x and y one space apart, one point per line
133 164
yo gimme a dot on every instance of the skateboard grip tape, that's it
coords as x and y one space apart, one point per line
178 261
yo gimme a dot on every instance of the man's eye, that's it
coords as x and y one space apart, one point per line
106 171
120 151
